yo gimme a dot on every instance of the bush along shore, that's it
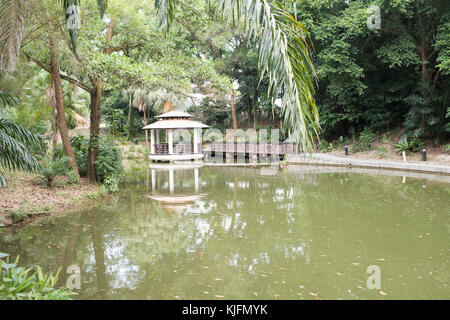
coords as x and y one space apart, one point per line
53 187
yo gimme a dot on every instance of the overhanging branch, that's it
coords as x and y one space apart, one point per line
63 76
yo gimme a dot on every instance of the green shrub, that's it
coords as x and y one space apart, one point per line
18 283
80 146
413 145
72 178
325 146
357 147
117 122
446 148
111 183
109 157
51 167
366 137
382 151
17 215
109 160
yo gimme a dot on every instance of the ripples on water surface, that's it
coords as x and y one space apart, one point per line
246 233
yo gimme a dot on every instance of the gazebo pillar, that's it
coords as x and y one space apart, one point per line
196 140
152 141
157 135
170 141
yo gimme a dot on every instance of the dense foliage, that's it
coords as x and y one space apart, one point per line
397 75
109 160
19 283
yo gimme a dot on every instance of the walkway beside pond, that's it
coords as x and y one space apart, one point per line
325 159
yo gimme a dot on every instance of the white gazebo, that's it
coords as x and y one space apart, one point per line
179 145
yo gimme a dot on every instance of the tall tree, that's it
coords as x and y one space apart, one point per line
284 55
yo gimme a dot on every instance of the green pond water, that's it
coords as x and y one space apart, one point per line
251 233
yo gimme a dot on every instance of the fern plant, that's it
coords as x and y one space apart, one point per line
413 145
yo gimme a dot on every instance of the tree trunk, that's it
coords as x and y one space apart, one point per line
145 123
50 93
255 104
129 116
61 116
233 110
54 126
96 97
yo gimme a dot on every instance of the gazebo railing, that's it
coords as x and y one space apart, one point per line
161 148
178 148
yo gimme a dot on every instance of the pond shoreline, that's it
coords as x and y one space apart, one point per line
321 159
24 201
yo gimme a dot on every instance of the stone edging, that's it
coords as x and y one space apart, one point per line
325 159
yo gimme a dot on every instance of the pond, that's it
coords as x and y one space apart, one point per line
252 233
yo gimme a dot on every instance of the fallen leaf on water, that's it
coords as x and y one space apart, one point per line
355 263
313 294
255 293
217 296
383 293
218 279
380 259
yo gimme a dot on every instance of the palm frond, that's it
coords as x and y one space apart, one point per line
14 154
284 55
7 100
165 10
102 6
20 134
11 32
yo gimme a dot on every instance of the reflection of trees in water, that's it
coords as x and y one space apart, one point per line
253 213
252 231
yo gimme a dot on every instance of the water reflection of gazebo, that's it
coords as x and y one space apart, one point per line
175 122
185 194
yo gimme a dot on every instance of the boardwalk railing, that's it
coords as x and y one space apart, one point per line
254 148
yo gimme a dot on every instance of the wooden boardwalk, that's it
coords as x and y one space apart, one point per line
249 148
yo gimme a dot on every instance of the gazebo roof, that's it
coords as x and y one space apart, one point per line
174 114
175 124
175 120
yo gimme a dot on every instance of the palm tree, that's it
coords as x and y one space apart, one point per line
284 55
14 143
12 16
12 23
